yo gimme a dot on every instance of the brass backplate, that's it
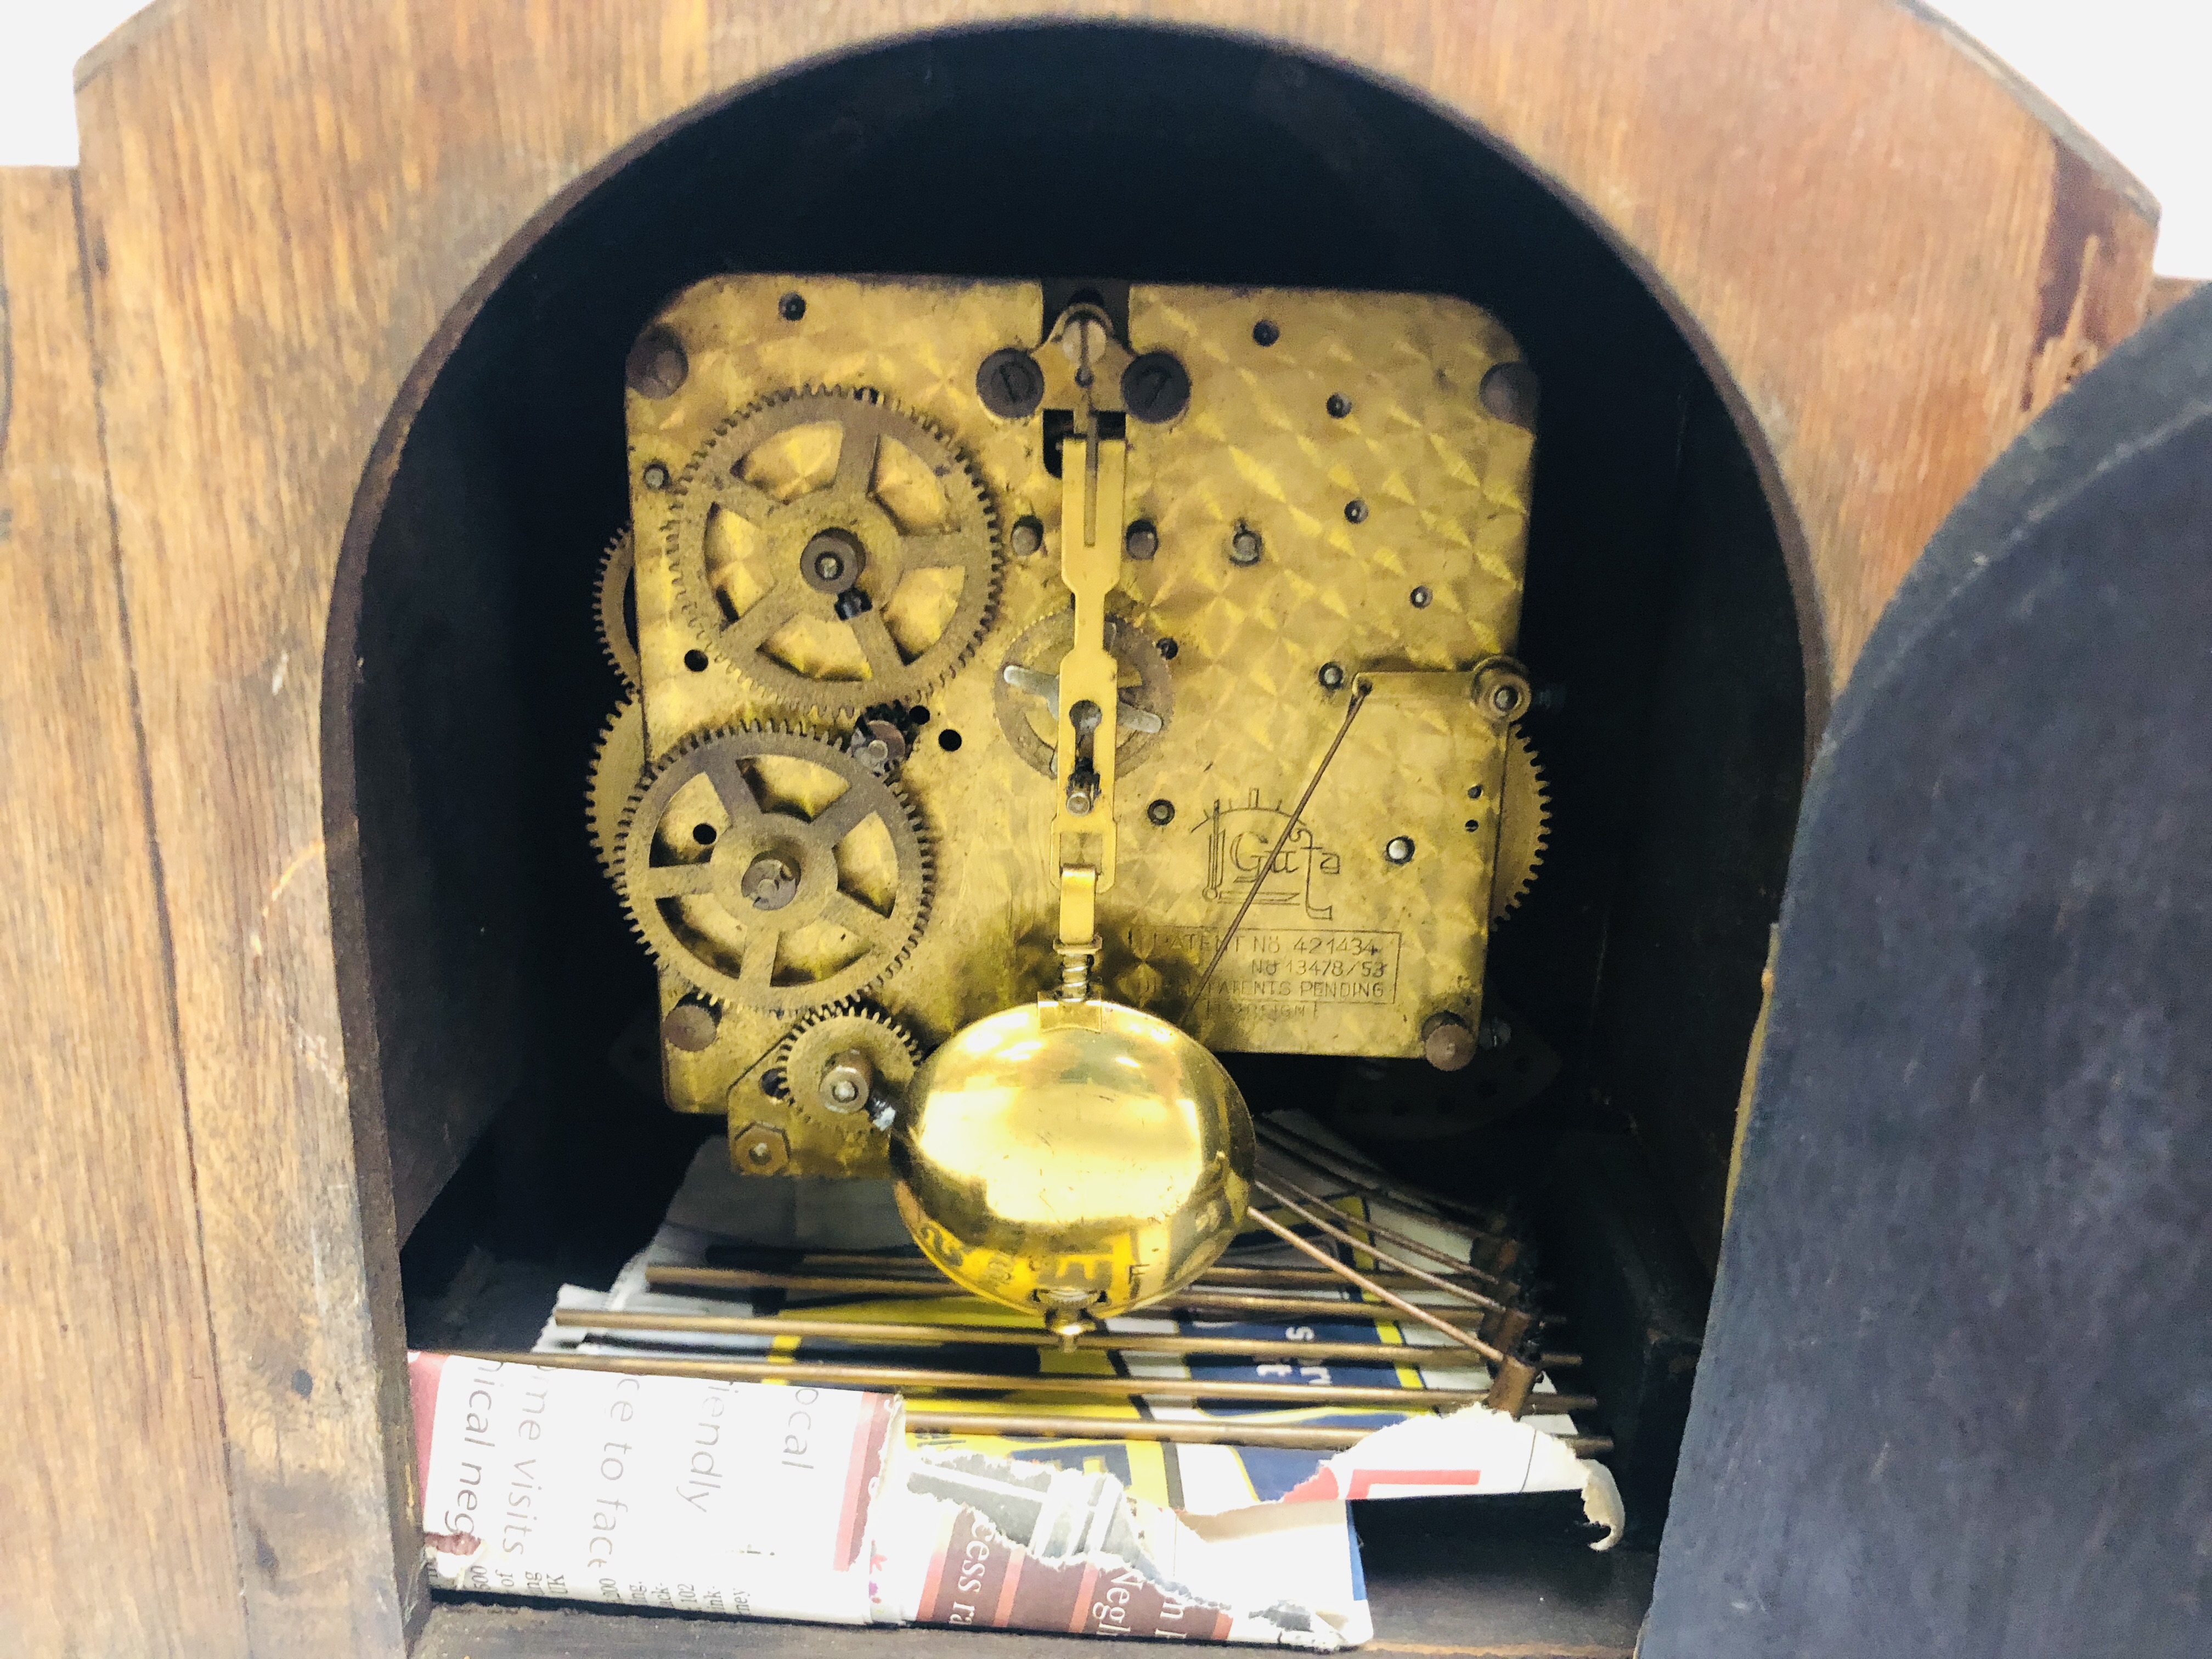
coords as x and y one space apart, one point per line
1392 513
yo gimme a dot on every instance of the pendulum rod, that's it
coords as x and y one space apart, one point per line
1093 468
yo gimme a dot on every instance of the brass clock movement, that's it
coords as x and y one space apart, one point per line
1030 700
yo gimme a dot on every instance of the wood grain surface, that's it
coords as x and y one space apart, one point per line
114 1512
1884 254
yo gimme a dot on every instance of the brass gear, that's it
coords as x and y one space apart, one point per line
617 609
843 653
618 769
1525 826
1022 702
847 871
827 1032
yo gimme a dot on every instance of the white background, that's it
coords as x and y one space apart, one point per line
2137 74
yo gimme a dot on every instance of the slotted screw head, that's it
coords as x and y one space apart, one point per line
1011 384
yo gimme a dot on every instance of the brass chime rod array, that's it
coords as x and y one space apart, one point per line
1404 1241
1314 1217
1217 1277
1452 1332
903 1379
1513 1372
1030 1424
755 1279
1047 1425
1182 1434
752 1278
1512 1378
1319 1305
1293 1279
866 1334
1197 1299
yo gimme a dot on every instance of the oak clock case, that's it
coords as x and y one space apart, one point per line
881 530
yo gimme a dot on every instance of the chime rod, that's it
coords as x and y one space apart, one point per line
1353 1276
1319 1305
1475 1298
902 1379
1405 1241
1196 1298
750 1279
1223 1276
1013 1425
1188 1434
866 1334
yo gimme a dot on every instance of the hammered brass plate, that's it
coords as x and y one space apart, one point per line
1345 951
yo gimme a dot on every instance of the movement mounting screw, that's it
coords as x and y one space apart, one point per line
1446 1042
1509 391
1011 384
1155 387
657 366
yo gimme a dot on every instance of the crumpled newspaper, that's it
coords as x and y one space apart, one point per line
784 1501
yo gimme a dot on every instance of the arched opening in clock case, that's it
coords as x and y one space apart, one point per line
509 1008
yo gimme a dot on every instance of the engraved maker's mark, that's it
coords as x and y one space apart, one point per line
1237 840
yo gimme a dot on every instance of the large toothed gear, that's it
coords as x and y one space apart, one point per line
617 609
1525 826
769 869
835 548
617 772
828 1035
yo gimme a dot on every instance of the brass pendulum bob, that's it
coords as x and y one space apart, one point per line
1075 1159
